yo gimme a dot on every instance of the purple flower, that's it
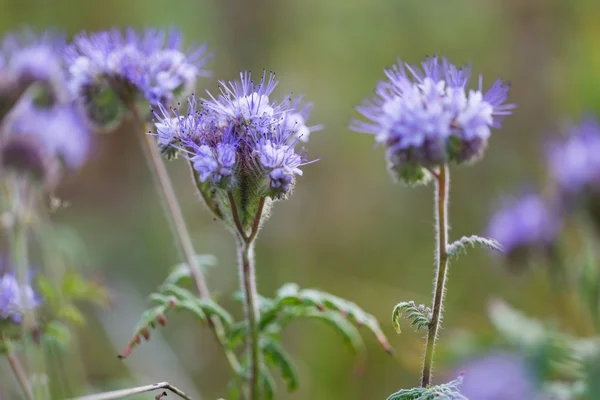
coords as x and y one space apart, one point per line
239 134
427 118
42 139
152 63
498 377
27 59
15 299
525 226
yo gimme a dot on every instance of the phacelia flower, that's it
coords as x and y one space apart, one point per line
45 141
240 140
574 165
428 118
27 59
525 227
498 377
15 298
112 70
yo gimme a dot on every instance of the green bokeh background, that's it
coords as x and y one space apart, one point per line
347 229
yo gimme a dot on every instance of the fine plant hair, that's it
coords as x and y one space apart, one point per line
427 122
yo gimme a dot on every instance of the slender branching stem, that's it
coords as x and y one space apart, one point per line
441 218
172 211
248 283
121 394
18 371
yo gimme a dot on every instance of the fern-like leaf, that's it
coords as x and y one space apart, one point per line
277 356
172 297
182 271
419 316
291 295
460 246
447 391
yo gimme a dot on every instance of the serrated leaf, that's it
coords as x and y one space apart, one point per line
291 295
277 356
268 384
460 246
446 391
350 334
189 300
419 316
182 271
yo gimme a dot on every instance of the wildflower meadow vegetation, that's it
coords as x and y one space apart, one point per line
248 146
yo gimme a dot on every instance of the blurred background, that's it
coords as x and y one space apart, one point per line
347 229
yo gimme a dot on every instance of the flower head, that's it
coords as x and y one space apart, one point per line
497 377
15 298
112 66
427 118
27 59
44 141
525 227
240 139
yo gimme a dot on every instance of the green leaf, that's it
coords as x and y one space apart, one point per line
460 246
447 391
182 271
349 333
419 316
291 295
277 356
57 333
268 384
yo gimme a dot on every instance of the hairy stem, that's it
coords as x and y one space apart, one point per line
248 284
172 211
441 218
18 371
120 394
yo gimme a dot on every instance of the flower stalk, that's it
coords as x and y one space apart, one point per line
172 211
248 286
441 217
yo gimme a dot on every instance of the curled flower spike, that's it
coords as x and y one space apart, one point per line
15 299
428 118
240 141
574 164
113 69
525 227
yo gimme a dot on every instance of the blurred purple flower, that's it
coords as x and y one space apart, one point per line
525 226
574 164
15 299
427 118
241 131
152 62
40 139
498 377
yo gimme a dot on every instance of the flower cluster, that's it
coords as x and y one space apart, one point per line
110 70
241 136
574 165
525 225
43 131
15 298
428 118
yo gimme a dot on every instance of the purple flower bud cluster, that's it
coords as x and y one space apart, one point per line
151 64
15 298
43 131
533 224
525 226
241 134
428 118
574 165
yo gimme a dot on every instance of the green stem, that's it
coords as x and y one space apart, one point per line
248 283
441 217
18 371
173 213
